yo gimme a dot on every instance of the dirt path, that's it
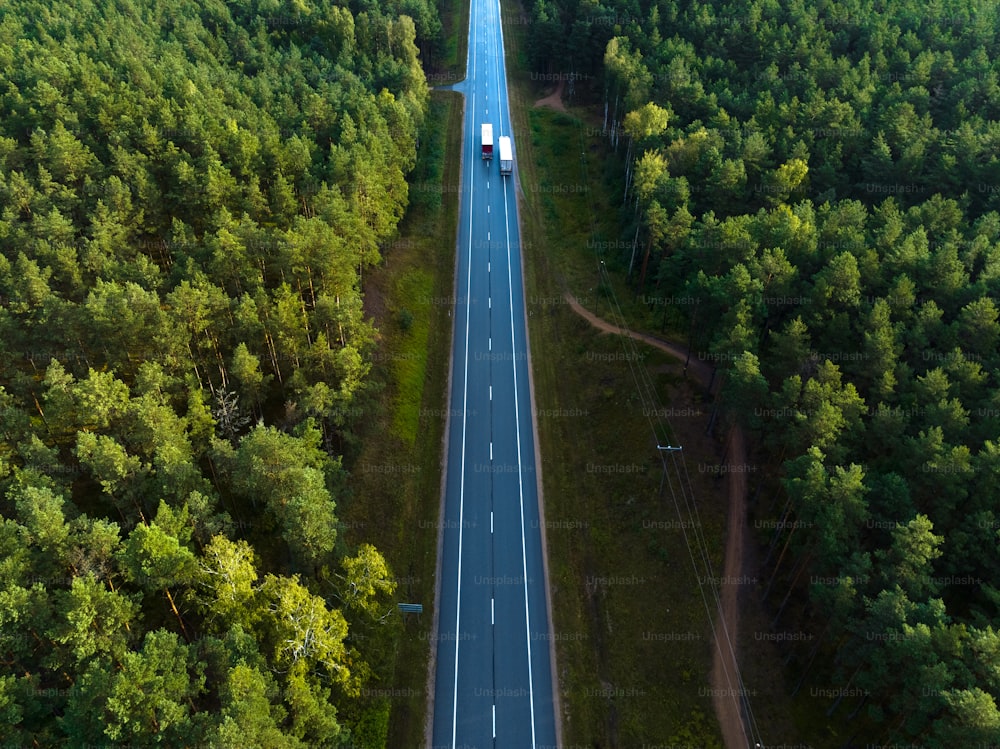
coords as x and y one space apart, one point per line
554 100
725 687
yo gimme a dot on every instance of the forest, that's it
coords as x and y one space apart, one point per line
190 193
823 180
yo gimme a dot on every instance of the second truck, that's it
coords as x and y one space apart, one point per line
506 155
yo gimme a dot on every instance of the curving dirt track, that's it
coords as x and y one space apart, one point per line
726 688
554 100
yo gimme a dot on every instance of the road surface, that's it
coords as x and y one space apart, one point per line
493 673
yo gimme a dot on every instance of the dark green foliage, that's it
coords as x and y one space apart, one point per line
826 184
189 195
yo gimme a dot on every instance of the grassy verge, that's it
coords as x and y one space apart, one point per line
396 476
634 651
632 633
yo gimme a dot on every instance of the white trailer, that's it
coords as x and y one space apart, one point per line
506 155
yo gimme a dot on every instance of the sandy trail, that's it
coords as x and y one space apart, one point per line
554 100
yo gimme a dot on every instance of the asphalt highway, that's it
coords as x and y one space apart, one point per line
493 680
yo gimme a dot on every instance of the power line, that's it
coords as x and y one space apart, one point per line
663 430
653 406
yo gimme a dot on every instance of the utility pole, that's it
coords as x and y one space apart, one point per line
663 459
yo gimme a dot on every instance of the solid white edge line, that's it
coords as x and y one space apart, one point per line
517 418
465 424
520 486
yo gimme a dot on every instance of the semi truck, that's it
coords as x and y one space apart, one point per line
506 155
487 140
